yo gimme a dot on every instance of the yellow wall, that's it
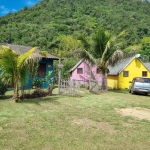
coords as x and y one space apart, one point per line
112 81
135 69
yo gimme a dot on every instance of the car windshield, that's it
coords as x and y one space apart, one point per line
142 80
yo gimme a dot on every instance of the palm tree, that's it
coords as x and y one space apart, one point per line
14 68
104 53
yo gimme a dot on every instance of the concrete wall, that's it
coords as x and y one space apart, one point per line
112 81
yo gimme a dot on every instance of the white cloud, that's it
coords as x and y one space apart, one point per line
14 10
2 7
4 10
30 2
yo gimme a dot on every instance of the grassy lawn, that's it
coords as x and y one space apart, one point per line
70 123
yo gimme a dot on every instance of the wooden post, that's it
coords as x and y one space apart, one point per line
90 76
59 75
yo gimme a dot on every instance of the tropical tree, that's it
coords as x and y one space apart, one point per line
142 48
106 51
14 68
145 51
68 44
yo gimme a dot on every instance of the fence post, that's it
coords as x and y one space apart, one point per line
70 88
90 76
60 66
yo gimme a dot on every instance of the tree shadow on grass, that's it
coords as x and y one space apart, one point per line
37 101
140 94
5 97
127 92
120 91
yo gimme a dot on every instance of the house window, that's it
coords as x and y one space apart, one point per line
79 70
41 70
125 73
49 66
144 73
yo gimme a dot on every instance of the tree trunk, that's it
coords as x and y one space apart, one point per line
50 89
16 94
104 81
22 92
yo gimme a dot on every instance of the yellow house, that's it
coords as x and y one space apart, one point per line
120 74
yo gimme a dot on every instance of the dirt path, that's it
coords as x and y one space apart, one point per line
88 123
140 113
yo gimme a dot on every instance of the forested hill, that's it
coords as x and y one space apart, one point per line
42 24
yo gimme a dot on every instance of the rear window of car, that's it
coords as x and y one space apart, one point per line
142 80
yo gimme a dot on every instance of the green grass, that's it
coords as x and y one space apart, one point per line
71 123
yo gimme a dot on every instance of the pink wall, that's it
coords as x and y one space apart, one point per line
84 78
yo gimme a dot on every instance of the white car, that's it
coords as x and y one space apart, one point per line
140 85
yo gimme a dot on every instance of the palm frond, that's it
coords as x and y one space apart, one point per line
84 42
129 53
8 60
115 57
22 59
23 76
6 78
100 40
134 48
83 54
105 51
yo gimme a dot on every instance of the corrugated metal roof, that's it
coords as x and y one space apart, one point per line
147 65
76 65
20 49
120 66
115 70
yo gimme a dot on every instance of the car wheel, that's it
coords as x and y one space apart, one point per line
145 93
132 92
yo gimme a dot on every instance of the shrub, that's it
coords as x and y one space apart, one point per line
49 79
82 86
38 83
3 88
37 93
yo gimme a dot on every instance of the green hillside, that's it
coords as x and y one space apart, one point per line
42 24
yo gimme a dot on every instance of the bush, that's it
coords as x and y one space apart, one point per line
82 86
38 83
3 88
37 93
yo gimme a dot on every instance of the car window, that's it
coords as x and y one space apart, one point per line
142 80
146 80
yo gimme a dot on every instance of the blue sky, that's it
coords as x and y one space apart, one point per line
7 6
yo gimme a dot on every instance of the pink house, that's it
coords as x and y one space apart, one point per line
81 72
